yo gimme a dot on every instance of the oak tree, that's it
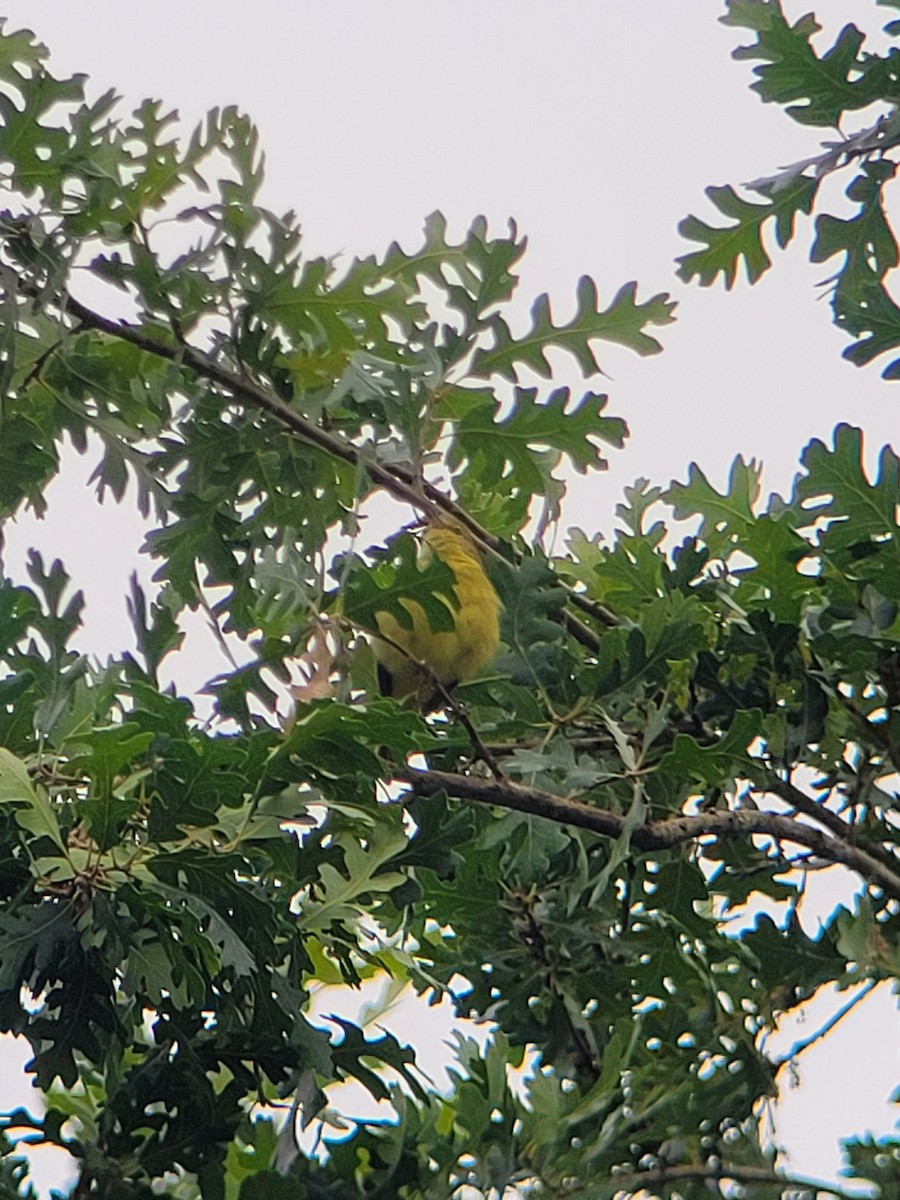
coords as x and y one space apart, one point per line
677 725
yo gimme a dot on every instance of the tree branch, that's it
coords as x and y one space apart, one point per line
647 1181
594 609
799 800
824 816
654 835
396 480
579 631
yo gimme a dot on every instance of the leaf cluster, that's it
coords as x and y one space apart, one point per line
567 851
821 89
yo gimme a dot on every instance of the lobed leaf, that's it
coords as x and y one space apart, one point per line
815 89
725 246
623 322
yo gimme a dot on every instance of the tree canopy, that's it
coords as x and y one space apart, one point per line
690 714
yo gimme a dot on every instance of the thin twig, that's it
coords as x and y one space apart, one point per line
804 1044
441 692
597 742
399 482
481 750
593 608
38 365
878 732
579 631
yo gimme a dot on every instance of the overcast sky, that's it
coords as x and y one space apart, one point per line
595 124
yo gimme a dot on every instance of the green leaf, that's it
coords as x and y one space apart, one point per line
877 317
333 740
858 518
313 304
482 265
816 90
31 940
773 580
725 246
218 928
788 959
156 627
866 240
37 816
625 577
623 322
726 760
353 1048
339 895
149 970
877 1161
512 446
861 303
106 755
725 516
402 571
20 49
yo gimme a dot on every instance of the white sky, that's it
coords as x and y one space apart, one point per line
596 125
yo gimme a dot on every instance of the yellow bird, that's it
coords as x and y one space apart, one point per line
453 656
